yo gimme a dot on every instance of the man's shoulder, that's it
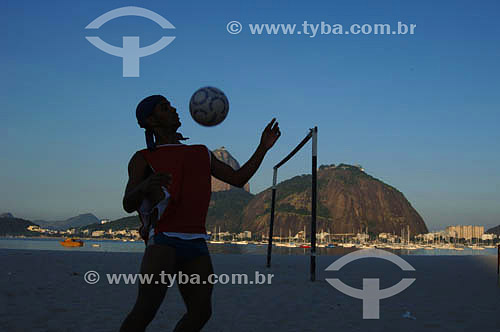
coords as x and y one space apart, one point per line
195 147
173 148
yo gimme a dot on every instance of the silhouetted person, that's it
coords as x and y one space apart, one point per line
170 185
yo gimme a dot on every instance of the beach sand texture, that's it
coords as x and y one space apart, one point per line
46 291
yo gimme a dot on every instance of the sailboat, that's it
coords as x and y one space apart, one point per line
217 237
304 244
280 244
290 244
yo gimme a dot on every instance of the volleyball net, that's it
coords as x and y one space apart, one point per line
313 134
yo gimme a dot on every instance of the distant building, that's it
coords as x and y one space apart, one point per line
346 166
300 235
486 237
103 221
388 237
360 167
322 236
467 232
362 237
224 234
244 235
97 233
430 236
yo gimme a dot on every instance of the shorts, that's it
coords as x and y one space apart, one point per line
185 250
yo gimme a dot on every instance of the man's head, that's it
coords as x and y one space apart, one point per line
155 113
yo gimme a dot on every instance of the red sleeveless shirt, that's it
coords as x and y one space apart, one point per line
190 188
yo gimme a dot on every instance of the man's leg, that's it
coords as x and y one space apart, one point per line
197 297
156 258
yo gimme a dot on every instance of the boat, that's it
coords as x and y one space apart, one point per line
305 246
71 243
96 245
216 238
330 245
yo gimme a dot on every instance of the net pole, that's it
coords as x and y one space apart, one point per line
271 222
498 264
275 175
314 132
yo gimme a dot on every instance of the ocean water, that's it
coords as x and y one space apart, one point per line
120 246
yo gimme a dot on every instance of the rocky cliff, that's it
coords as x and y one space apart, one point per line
223 155
349 200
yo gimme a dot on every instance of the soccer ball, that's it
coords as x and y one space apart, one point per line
208 106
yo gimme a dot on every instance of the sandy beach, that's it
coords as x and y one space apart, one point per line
46 291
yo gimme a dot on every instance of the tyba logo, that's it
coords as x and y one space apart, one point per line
371 294
130 52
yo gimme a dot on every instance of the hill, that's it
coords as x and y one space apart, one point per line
494 230
223 155
130 223
349 200
73 222
225 209
224 212
15 226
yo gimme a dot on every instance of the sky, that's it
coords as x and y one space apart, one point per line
419 112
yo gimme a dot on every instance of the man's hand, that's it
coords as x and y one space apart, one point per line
152 185
270 135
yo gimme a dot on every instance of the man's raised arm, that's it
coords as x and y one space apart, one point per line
241 176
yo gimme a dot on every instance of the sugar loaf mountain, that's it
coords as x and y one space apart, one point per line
349 200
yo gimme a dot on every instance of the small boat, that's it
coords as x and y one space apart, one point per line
71 243
330 245
96 245
216 241
305 246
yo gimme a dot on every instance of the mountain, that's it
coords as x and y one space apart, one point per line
223 155
73 222
131 222
225 210
349 200
494 230
15 226
6 215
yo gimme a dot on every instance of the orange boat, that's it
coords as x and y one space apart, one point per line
72 243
